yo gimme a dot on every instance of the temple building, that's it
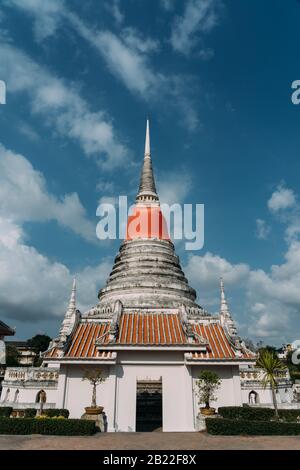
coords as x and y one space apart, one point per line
147 333
5 330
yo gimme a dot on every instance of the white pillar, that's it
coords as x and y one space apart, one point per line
112 424
189 400
61 387
236 382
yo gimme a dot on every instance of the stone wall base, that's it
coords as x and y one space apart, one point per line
100 420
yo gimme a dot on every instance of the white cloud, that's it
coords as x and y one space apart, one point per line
199 17
167 5
33 288
28 131
126 62
283 198
126 55
127 58
206 271
274 296
114 7
48 13
62 108
105 186
274 301
262 229
285 206
24 197
267 302
135 41
174 186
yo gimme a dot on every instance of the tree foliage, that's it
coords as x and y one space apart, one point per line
12 355
39 343
207 384
95 377
270 364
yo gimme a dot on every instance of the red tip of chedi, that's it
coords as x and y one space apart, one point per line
147 222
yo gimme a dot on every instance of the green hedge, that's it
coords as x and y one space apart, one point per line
250 414
5 411
289 415
257 414
60 427
30 413
233 427
52 412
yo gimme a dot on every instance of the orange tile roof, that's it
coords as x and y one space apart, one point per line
83 342
148 329
219 345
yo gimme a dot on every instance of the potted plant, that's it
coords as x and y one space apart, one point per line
95 377
207 383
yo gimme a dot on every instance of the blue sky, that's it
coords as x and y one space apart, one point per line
215 79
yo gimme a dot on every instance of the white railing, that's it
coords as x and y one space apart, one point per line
257 375
31 374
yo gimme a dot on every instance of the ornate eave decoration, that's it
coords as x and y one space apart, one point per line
192 335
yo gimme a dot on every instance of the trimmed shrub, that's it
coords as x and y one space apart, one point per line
29 412
233 427
257 414
5 411
54 412
289 415
58 427
250 414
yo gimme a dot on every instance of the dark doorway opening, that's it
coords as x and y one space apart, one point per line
149 406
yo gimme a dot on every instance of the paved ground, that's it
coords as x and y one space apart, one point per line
149 441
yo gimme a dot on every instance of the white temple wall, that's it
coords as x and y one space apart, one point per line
264 396
118 394
75 394
229 393
26 396
176 395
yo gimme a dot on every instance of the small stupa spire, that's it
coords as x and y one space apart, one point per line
223 306
70 317
147 140
72 303
225 315
147 190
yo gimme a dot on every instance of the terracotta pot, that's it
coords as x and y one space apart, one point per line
93 410
207 411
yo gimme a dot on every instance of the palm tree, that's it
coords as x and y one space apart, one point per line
270 363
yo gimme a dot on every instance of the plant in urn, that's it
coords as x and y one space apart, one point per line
95 377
